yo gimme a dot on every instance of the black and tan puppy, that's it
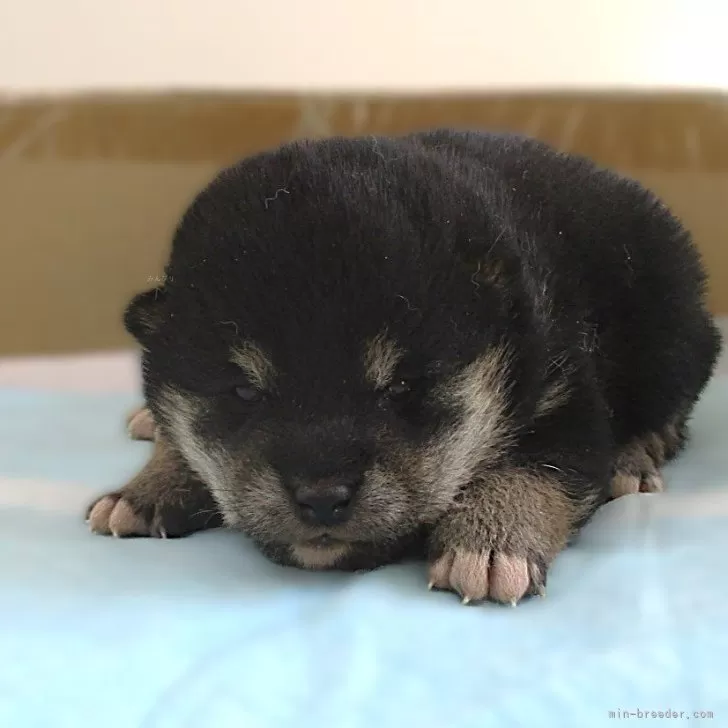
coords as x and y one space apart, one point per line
457 344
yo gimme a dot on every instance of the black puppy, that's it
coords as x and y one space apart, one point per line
458 342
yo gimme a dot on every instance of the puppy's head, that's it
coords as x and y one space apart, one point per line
323 350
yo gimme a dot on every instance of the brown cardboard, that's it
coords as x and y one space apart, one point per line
91 189
81 238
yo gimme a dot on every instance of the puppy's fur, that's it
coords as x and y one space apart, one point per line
475 336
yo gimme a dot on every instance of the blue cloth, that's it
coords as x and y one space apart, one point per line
204 632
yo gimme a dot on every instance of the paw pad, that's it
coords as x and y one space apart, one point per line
493 575
140 425
113 515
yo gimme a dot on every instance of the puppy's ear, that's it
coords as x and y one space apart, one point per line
144 313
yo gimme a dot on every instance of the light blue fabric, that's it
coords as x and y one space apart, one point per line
204 632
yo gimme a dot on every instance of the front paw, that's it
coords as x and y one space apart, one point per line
488 574
140 424
122 515
498 541
164 499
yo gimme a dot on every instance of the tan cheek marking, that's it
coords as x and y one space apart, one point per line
313 557
481 435
182 411
380 360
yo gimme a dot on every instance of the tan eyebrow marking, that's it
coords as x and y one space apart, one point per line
380 359
255 363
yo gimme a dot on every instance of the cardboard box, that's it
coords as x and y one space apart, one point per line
91 188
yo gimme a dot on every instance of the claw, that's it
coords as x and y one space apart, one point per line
430 585
466 601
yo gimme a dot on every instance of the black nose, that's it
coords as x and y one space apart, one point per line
324 503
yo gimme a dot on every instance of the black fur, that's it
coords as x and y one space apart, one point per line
456 243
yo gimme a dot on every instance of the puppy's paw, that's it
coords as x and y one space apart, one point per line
164 499
635 471
499 539
114 515
140 424
494 575
625 482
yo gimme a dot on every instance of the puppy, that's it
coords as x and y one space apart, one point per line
451 345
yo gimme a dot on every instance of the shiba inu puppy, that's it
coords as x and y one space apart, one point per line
448 345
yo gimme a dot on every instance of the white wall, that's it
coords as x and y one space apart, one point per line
68 45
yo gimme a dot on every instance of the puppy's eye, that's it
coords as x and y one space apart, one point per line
248 394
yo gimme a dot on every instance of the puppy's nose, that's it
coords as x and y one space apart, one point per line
324 504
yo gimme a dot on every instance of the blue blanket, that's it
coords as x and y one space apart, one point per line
204 632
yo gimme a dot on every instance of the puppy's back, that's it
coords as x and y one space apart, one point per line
616 262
